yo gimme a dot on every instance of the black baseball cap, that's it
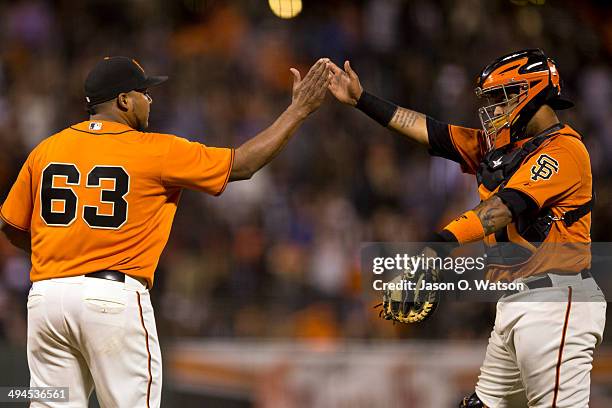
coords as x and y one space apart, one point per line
115 75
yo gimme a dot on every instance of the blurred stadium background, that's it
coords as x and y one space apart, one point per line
258 299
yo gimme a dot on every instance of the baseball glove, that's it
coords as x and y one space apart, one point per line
411 303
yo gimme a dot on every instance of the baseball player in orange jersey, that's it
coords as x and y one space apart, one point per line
94 205
535 186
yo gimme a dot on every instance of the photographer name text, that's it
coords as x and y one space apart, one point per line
464 284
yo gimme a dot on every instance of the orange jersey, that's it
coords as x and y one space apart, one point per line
101 195
557 175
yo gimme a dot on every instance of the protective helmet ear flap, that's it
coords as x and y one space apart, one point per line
556 101
519 125
554 75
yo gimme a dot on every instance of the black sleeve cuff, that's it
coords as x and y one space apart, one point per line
380 110
444 242
445 236
440 143
517 202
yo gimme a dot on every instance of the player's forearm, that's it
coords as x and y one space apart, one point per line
404 121
410 124
20 239
261 149
493 214
486 218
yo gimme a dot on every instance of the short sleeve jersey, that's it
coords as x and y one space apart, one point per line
102 196
556 176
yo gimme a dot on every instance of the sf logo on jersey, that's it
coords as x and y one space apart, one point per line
544 168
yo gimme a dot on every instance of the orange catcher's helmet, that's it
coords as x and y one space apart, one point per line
514 87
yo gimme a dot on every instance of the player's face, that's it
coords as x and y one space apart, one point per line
141 108
499 103
502 100
505 108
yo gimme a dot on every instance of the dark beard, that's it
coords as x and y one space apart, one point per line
141 127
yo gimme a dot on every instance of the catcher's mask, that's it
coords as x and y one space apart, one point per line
514 87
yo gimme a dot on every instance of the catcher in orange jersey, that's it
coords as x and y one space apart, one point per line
94 205
535 184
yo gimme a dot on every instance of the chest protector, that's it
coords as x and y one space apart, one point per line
494 171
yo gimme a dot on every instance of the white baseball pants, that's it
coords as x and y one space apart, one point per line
88 332
540 352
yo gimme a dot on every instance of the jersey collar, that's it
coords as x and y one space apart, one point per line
557 128
101 127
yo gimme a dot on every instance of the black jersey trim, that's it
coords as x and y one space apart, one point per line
6 220
229 173
518 202
440 143
103 133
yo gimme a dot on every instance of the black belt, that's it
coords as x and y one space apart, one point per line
545 282
108 275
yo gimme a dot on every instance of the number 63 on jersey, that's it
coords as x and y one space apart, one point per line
59 206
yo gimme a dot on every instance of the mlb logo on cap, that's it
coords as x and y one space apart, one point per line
95 126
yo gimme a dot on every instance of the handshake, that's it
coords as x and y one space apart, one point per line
309 92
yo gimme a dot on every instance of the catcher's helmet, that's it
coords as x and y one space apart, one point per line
515 87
